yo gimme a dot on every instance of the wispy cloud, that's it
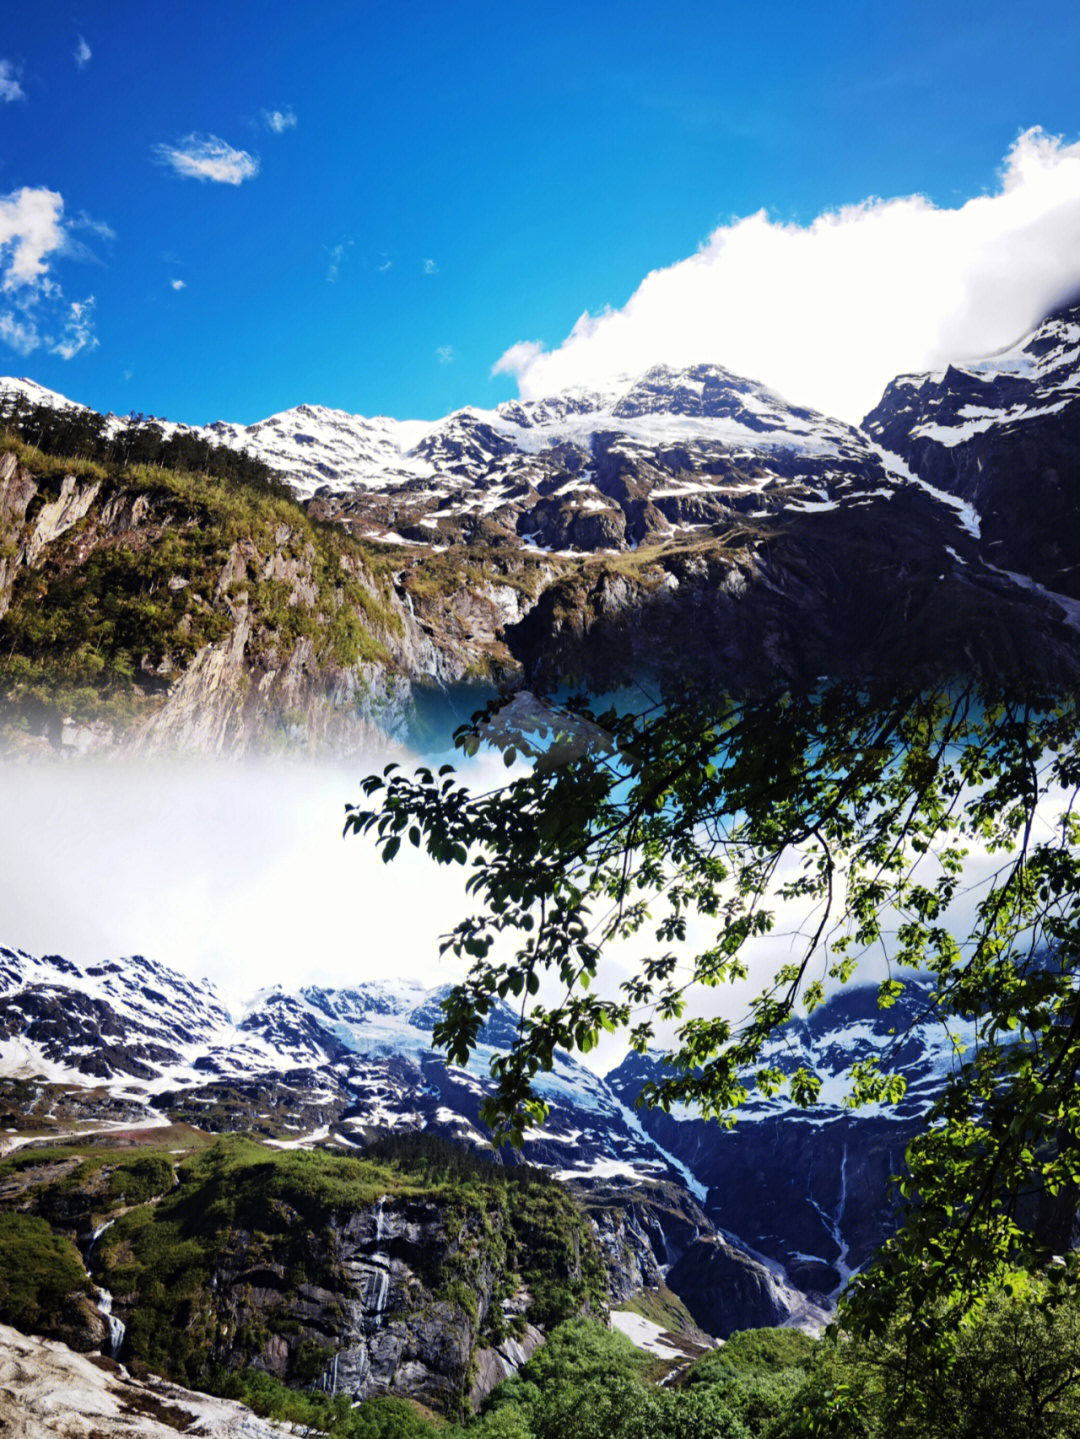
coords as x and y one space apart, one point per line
280 120
384 264
10 89
445 354
82 54
33 310
430 267
83 221
178 284
338 255
78 333
205 157
829 312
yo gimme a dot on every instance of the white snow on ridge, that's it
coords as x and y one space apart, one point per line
967 516
313 446
644 1334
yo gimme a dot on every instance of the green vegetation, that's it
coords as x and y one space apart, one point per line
82 434
206 1256
163 563
40 1274
1008 1367
244 1218
855 807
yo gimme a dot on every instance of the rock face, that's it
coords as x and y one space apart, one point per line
680 523
136 614
1002 434
380 1326
343 1067
49 1392
809 1188
241 1257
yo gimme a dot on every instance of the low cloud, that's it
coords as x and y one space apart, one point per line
10 89
177 284
279 120
205 157
828 313
430 267
33 310
82 54
445 354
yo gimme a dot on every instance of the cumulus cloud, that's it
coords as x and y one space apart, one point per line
10 89
829 312
430 267
445 354
279 120
31 231
205 157
177 284
33 311
82 54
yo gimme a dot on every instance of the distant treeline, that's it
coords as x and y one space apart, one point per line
440 1159
140 440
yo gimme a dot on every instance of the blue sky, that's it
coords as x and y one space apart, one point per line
441 182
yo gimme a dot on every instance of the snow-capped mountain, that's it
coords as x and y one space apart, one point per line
346 1062
681 525
131 1041
809 1187
1002 434
668 452
804 1190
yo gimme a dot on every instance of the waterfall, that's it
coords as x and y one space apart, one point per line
117 1328
832 1223
378 1276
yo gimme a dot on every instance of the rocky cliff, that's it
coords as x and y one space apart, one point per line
680 524
1002 434
167 613
429 1279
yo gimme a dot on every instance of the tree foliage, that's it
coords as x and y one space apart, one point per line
934 827
142 440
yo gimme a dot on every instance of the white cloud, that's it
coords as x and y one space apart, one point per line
430 267
205 157
10 89
338 255
18 333
828 313
279 120
33 312
519 358
31 231
82 54
177 284
83 221
445 354
384 264
78 333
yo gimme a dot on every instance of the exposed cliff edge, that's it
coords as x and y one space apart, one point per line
160 612
685 524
